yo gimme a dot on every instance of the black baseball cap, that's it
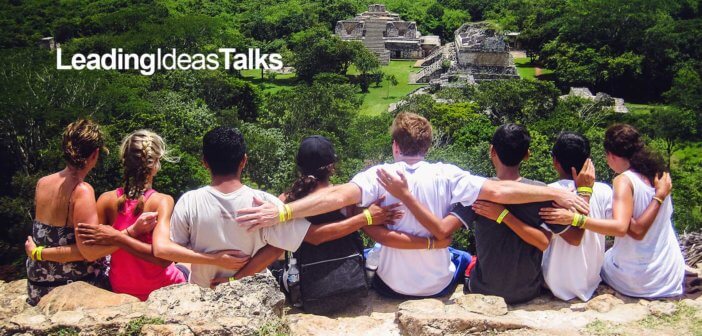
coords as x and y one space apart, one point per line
315 152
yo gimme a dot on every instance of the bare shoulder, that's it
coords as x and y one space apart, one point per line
108 197
84 189
47 180
160 199
621 183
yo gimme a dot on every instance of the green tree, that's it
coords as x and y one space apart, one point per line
392 81
316 50
366 62
673 126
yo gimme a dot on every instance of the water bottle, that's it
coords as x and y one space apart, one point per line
293 282
372 261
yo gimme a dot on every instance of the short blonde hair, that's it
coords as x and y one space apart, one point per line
412 133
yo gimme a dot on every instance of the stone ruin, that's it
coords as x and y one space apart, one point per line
479 53
387 35
617 104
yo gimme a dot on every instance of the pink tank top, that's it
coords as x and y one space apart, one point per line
132 275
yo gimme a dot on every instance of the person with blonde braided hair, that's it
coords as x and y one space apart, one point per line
130 214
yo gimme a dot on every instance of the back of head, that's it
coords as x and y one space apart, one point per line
571 150
141 153
315 160
223 149
511 143
412 133
80 140
624 140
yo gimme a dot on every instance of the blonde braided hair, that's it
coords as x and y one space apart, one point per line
141 153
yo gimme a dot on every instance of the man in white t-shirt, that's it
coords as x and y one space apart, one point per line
417 273
573 270
203 223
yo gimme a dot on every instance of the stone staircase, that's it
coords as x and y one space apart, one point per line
374 40
433 57
434 70
426 74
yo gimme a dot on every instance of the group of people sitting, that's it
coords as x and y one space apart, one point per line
530 237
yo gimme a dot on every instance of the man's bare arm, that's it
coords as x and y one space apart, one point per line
511 192
163 247
326 200
401 240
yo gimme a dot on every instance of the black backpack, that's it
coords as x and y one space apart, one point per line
332 274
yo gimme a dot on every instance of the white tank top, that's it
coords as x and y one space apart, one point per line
654 266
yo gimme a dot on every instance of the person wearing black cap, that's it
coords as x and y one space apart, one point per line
203 220
340 260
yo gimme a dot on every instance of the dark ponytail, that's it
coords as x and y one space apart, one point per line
625 141
307 182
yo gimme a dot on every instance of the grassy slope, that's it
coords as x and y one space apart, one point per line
526 69
377 100
374 102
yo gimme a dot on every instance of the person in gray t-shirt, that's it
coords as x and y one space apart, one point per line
203 231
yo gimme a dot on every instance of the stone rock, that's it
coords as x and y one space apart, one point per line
166 330
578 307
661 308
692 303
604 303
307 324
13 298
81 294
240 307
483 304
432 317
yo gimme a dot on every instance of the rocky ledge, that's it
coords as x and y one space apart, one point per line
254 306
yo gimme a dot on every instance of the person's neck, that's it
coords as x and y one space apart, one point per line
226 183
76 173
410 160
508 173
563 176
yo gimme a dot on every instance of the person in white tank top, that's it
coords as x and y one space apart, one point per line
645 260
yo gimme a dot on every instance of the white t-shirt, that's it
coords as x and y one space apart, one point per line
654 266
203 220
574 271
436 186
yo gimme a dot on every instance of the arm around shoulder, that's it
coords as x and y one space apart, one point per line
85 210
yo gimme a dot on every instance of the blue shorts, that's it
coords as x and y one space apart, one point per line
459 258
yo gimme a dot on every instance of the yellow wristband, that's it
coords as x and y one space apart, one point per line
428 243
38 256
281 214
369 217
232 279
33 255
660 201
585 190
288 211
502 216
576 218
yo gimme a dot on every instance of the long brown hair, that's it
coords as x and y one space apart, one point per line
625 141
307 181
141 152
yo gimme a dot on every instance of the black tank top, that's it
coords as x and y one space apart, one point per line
338 248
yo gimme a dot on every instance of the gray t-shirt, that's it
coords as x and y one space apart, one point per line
203 220
507 266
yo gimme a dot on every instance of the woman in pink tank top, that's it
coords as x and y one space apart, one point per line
133 268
